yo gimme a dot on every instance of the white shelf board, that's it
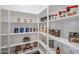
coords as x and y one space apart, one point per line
23 43
64 18
3 34
43 33
21 22
29 50
4 22
4 47
23 33
18 44
24 22
43 22
51 51
41 51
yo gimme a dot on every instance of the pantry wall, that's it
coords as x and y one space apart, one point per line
24 33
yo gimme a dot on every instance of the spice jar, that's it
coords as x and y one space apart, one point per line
62 14
49 17
28 46
24 47
41 19
52 32
26 39
30 29
54 16
18 48
45 29
31 47
42 29
77 39
57 33
45 18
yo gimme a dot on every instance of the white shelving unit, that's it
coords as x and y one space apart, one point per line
0 31
65 25
8 22
9 40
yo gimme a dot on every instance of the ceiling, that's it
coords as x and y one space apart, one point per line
35 9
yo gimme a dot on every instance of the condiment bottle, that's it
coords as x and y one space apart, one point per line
57 50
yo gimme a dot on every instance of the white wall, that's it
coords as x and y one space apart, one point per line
35 9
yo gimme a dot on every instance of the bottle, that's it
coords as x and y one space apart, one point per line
49 17
21 30
57 50
33 29
42 29
42 20
30 29
26 29
18 19
52 31
45 18
16 30
45 29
